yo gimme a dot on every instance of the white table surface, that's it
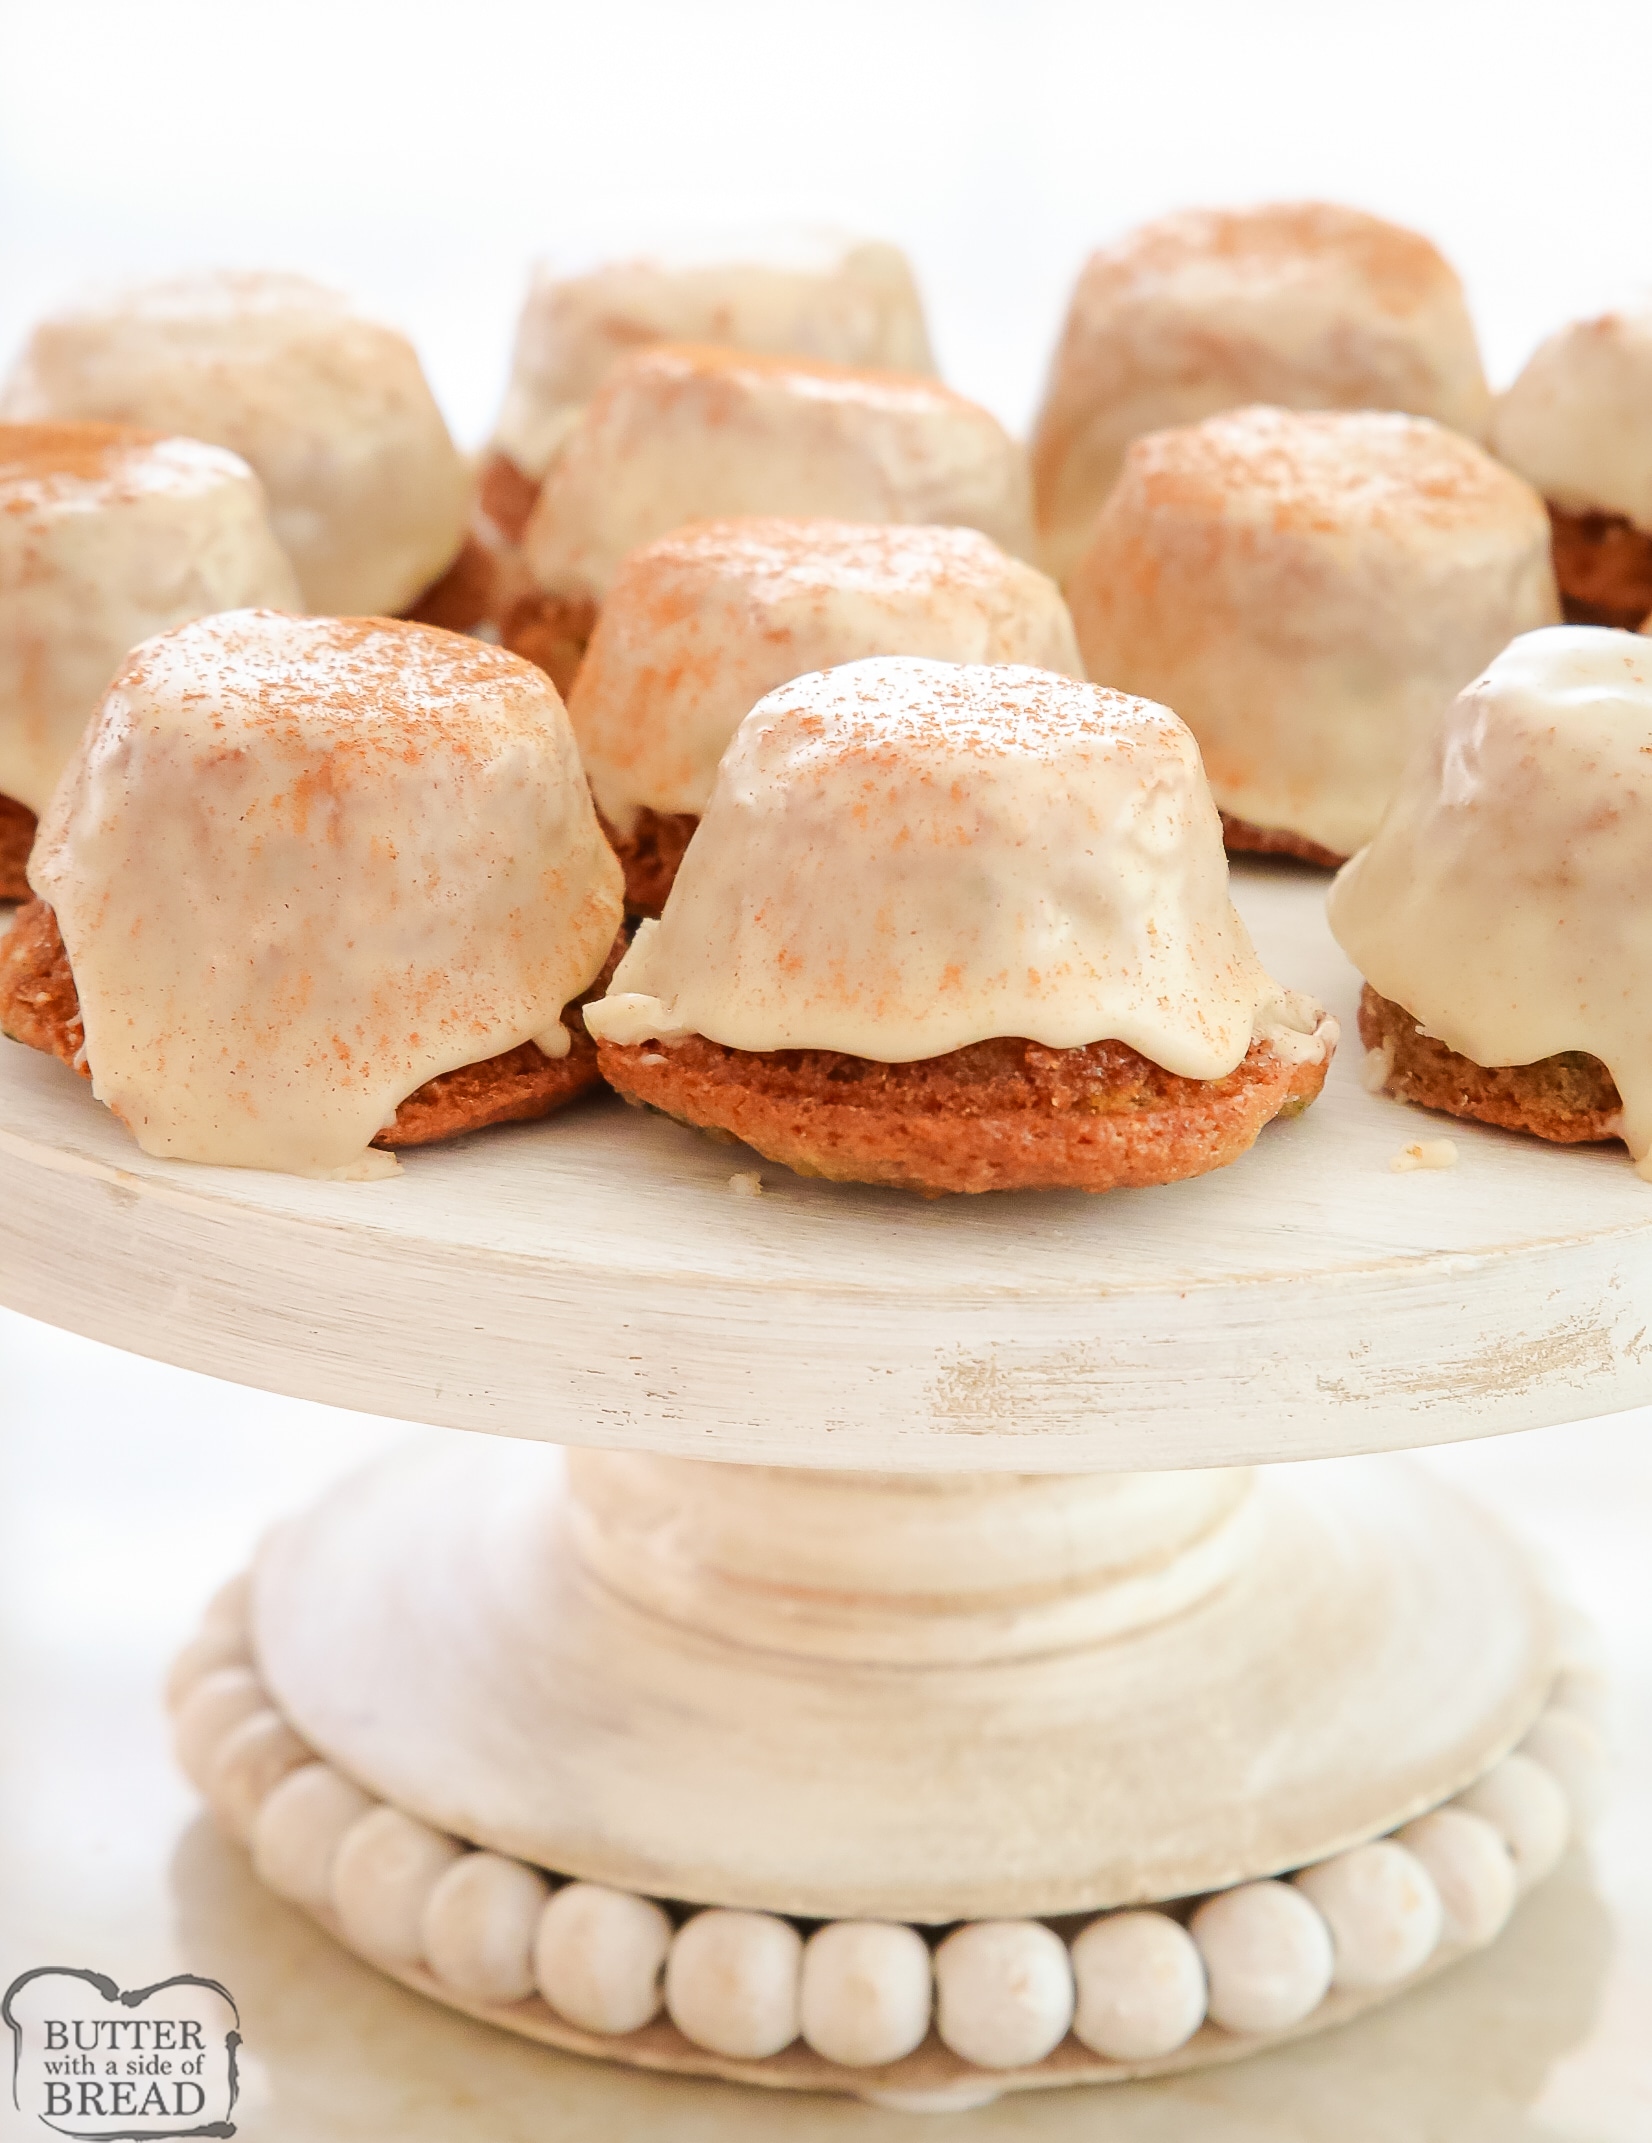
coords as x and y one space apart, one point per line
127 1491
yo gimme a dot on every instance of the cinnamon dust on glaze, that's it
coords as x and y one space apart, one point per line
699 627
1398 269
1570 1099
40 1007
83 451
1005 1114
1603 563
1308 589
17 825
1297 303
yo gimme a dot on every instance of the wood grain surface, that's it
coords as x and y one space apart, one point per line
437 1628
596 1279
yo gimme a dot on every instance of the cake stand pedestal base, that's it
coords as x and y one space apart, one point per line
926 1699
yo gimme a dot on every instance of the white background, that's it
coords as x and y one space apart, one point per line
418 155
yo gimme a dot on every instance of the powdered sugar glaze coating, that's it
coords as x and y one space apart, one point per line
684 433
1308 589
1302 303
367 492
699 626
107 535
1576 421
855 304
303 865
902 857
1504 899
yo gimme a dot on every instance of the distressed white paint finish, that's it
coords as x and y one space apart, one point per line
593 1280
933 2079
434 1628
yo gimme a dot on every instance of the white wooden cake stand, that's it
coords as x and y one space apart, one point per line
983 1623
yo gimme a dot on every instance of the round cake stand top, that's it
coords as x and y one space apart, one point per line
605 1278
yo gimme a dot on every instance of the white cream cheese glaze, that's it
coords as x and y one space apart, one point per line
1305 304
367 492
699 626
853 304
901 857
1308 590
303 865
688 433
108 535
1578 420
1504 900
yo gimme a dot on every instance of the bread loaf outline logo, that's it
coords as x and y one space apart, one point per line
102 2064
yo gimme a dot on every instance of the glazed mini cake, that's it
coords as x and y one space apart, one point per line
1303 304
1578 424
686 433
960 928
367 492
699 626
1499 916
1308 590
851 304
107 535
313 886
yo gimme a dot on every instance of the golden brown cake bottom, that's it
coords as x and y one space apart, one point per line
506 496
40 1006
552 631
487 578
1241 838
1603 563
998 1115
466 595
1571 1098
650 855
17 825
